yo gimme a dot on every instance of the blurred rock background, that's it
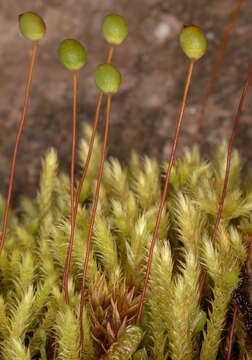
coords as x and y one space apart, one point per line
153 68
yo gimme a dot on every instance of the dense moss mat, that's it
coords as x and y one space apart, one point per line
33 312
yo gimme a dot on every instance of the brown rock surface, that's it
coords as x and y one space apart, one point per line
153 68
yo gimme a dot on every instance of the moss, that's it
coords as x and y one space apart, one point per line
32 307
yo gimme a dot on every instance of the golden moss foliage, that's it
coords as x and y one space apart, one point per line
33 313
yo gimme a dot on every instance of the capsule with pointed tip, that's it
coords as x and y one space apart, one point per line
114 29
107 78
193 42
32 26
72 54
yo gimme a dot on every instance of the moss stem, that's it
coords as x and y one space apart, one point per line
72 169
231 335
93 219
78 193
18 136
215 71
175 141
225 185
110 54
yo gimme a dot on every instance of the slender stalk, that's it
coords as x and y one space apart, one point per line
249 250
231 335
55 350
216 70
93 219
78 193
110 54
18 136
225 185
72 169
175 141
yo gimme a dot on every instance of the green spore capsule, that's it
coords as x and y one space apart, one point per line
193 42
107 78
114 29
72 54
32 26
127 344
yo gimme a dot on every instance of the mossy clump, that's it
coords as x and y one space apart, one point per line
173 326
